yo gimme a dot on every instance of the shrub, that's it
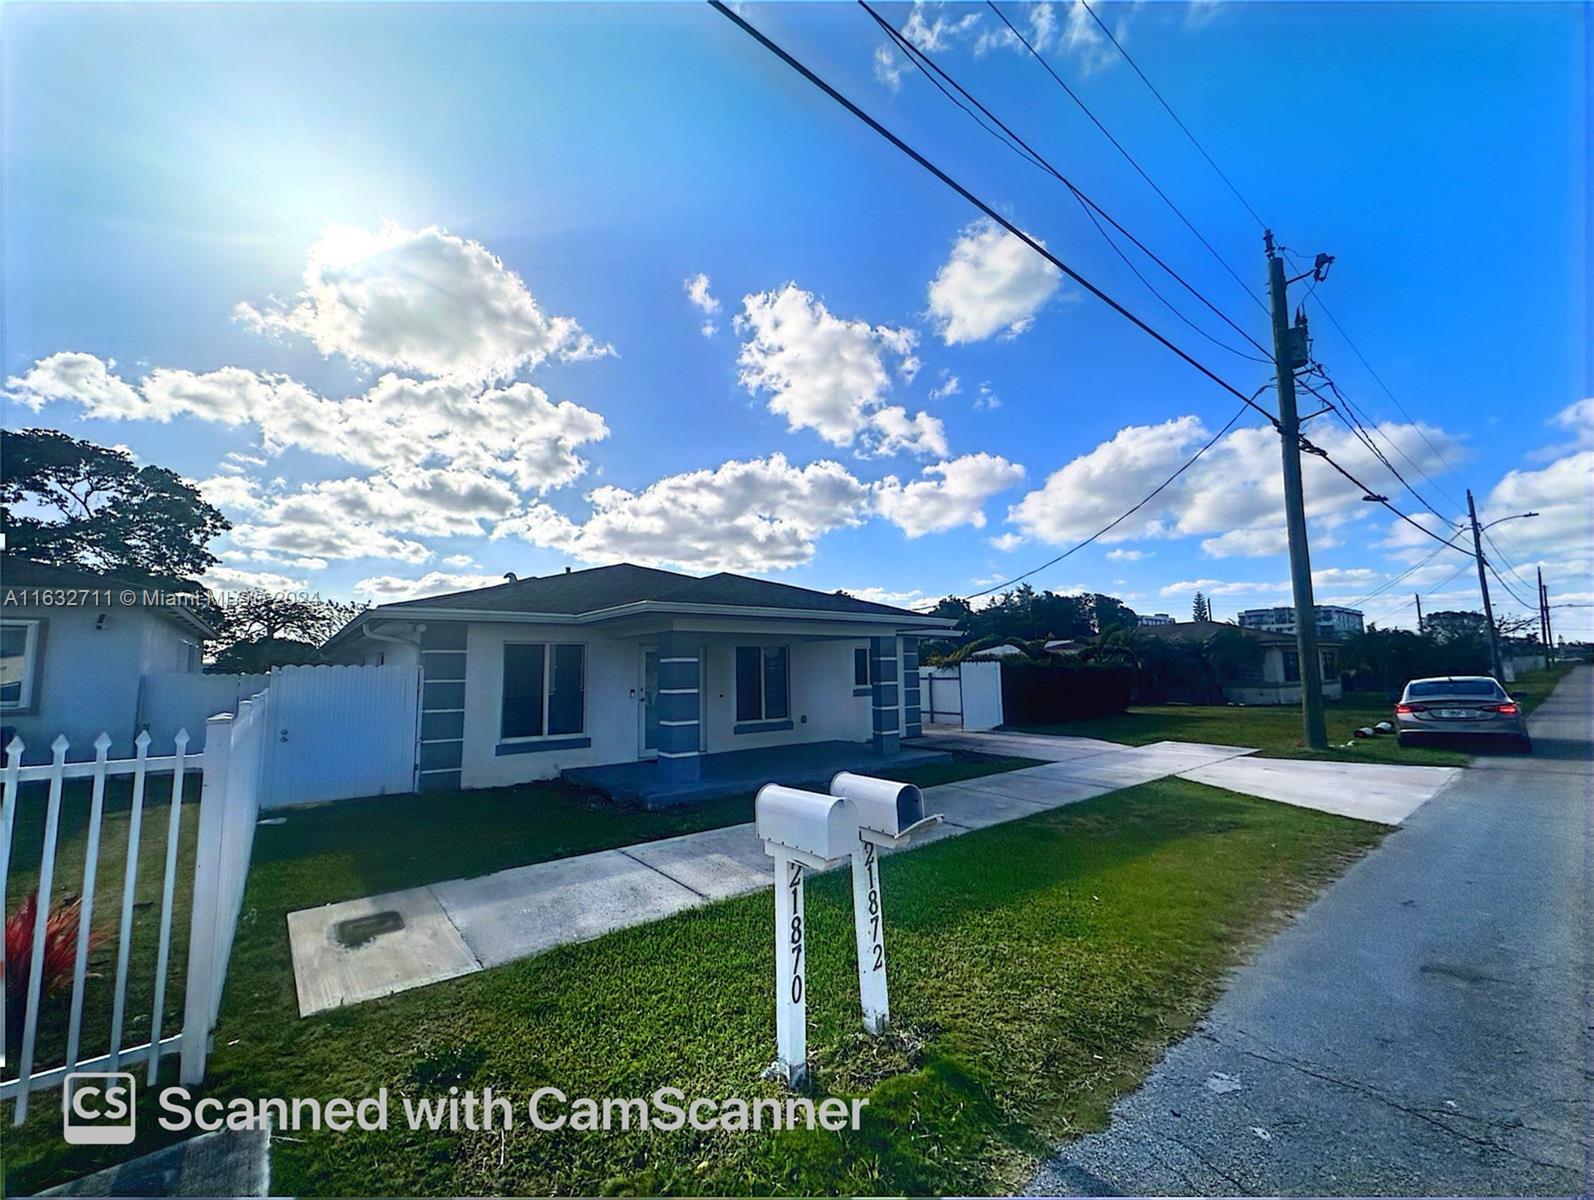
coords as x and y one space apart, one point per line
60 955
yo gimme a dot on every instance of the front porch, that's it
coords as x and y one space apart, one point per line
809 764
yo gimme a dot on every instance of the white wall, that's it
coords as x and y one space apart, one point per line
88 678
823 707
613 677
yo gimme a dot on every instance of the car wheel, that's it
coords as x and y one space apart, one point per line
1402 741
1525 744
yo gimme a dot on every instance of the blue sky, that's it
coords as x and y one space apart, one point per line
406 287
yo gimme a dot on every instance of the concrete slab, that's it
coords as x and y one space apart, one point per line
1128 766
1387 794
716 864
969 807
228 1162
523 911
424 948
1037 784
1024 745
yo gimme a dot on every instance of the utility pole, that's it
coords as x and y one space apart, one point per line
1288 353
1415 596
1483 583
1544 620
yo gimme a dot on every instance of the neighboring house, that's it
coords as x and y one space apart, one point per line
1333 622
74 647
1275 678
1145 619
532 677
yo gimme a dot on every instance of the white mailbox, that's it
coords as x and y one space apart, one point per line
888 812
808 827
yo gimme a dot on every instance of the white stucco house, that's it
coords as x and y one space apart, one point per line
651 671
74 648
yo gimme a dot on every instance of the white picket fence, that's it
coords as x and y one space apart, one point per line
231 767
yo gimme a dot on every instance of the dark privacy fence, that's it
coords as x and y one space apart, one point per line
1035 693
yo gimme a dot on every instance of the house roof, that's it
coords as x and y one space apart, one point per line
189 608
1199 631
604 589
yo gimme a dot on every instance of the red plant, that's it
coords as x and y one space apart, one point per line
60 956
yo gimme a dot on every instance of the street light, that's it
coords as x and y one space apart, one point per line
1514 517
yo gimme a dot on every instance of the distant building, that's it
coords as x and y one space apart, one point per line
1333 623
1154 619
1274 677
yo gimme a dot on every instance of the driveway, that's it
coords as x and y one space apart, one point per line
1423 1029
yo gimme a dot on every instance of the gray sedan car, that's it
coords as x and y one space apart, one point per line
1459 704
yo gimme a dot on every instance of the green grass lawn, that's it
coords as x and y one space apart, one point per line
1026 995
1276 731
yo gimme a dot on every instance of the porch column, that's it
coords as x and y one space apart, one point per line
912 719
680 676
884 694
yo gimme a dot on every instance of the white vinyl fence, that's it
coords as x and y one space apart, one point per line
335 732
228 809
968 695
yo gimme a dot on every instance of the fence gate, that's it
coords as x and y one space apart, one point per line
340 732
943 695
51 1043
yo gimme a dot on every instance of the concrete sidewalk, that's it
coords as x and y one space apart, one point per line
363 949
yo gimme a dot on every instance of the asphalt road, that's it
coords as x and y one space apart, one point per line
1424 1028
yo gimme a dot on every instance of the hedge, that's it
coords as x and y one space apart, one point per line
1044 693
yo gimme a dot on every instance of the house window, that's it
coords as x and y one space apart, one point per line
860 667
19 663
544 689
1329 663
1292 666
761 683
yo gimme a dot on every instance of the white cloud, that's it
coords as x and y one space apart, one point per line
1561 494
1247 543
459 560
79 378
1222 587
823 372
1578 420
222 578
697 292
992 283
754 515
986 399
1122 555
931 31
385 589
230 492
949 385
420 300
1085 41
897 432
1008 542
911 598
949 494
1235 486
890 65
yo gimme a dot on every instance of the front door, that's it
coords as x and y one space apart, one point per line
648 704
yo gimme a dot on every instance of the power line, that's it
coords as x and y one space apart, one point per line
1130 158
1121 517
1361 433
1356 350
808 74
1367 493
1500 579
1004 134
1384 587
1169 109
1443 583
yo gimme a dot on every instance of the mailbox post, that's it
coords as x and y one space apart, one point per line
800 830
889 813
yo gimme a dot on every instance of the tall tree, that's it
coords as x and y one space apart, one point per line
100 510
1201 609
262 629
